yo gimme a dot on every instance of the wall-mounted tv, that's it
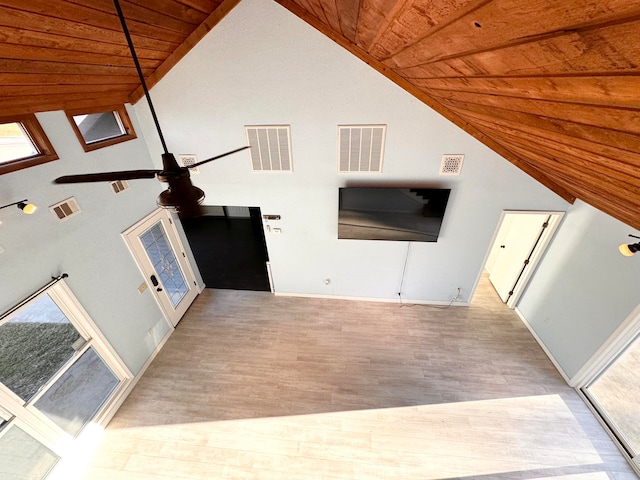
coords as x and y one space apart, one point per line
383 213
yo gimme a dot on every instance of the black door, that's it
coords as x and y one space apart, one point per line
231 252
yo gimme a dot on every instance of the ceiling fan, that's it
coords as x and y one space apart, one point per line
181 196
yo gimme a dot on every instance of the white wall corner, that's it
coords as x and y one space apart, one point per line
544 348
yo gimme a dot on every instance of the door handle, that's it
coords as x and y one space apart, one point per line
155 282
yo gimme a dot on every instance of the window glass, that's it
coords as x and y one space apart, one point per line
79 393
15 143
101 127
23 457
96 127
23 143
34 344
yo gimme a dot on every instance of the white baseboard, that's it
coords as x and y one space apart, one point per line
371 299
108 414
544 347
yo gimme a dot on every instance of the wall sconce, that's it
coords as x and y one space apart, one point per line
630 249
27 208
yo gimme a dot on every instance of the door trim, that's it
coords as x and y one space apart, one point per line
615 344
131 238
536 255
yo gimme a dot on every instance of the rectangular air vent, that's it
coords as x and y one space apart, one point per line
360 148
65 209
187 161
119 185
451 164
270 147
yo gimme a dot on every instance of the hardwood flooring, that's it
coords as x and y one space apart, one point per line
255 386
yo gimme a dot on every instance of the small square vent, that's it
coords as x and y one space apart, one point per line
65 209
187 161
270 147
451 164
360 148
119 186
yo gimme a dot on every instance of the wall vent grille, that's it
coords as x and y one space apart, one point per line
360 148
451 164
187 161
270 147
119 186
65 209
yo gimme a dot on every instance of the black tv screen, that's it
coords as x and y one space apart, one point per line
383 213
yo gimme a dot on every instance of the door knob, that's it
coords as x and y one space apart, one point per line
155 282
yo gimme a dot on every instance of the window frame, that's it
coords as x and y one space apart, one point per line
34 131
121 110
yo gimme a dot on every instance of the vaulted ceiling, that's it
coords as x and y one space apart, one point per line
552 86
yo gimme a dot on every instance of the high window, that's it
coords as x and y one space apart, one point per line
101 127
23 143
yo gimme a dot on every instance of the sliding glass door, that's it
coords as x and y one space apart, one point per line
615 394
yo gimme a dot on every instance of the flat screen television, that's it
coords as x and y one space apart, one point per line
383 213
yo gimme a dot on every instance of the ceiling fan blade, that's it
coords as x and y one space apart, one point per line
107 176
218 156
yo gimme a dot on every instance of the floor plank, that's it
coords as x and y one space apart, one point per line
255 386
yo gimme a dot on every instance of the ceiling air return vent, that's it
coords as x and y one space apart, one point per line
270 147
187 161
65 209
451 164
119 186
360 148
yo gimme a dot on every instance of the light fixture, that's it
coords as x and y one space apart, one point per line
27 208
629 249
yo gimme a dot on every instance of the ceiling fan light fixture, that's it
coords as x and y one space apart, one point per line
186 206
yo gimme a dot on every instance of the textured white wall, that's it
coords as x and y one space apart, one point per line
584 288
88 246
262 65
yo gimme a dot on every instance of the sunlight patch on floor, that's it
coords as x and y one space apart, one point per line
477 438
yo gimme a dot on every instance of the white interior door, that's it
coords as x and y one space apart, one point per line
520 241
160 255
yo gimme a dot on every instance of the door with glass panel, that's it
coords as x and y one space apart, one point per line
57 375
160 255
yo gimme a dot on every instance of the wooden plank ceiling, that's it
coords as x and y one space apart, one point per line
553 86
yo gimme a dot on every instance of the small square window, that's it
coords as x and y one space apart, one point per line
23 143
101 127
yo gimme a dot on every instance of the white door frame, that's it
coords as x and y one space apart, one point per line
615 345
538 251
131 238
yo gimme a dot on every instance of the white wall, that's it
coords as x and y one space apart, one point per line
584 288
262 65
88 246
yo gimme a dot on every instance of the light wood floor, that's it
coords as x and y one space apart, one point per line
254 386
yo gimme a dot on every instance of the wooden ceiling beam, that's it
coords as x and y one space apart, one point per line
603 90
608 142
46 103
617 119
483 30
577 159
